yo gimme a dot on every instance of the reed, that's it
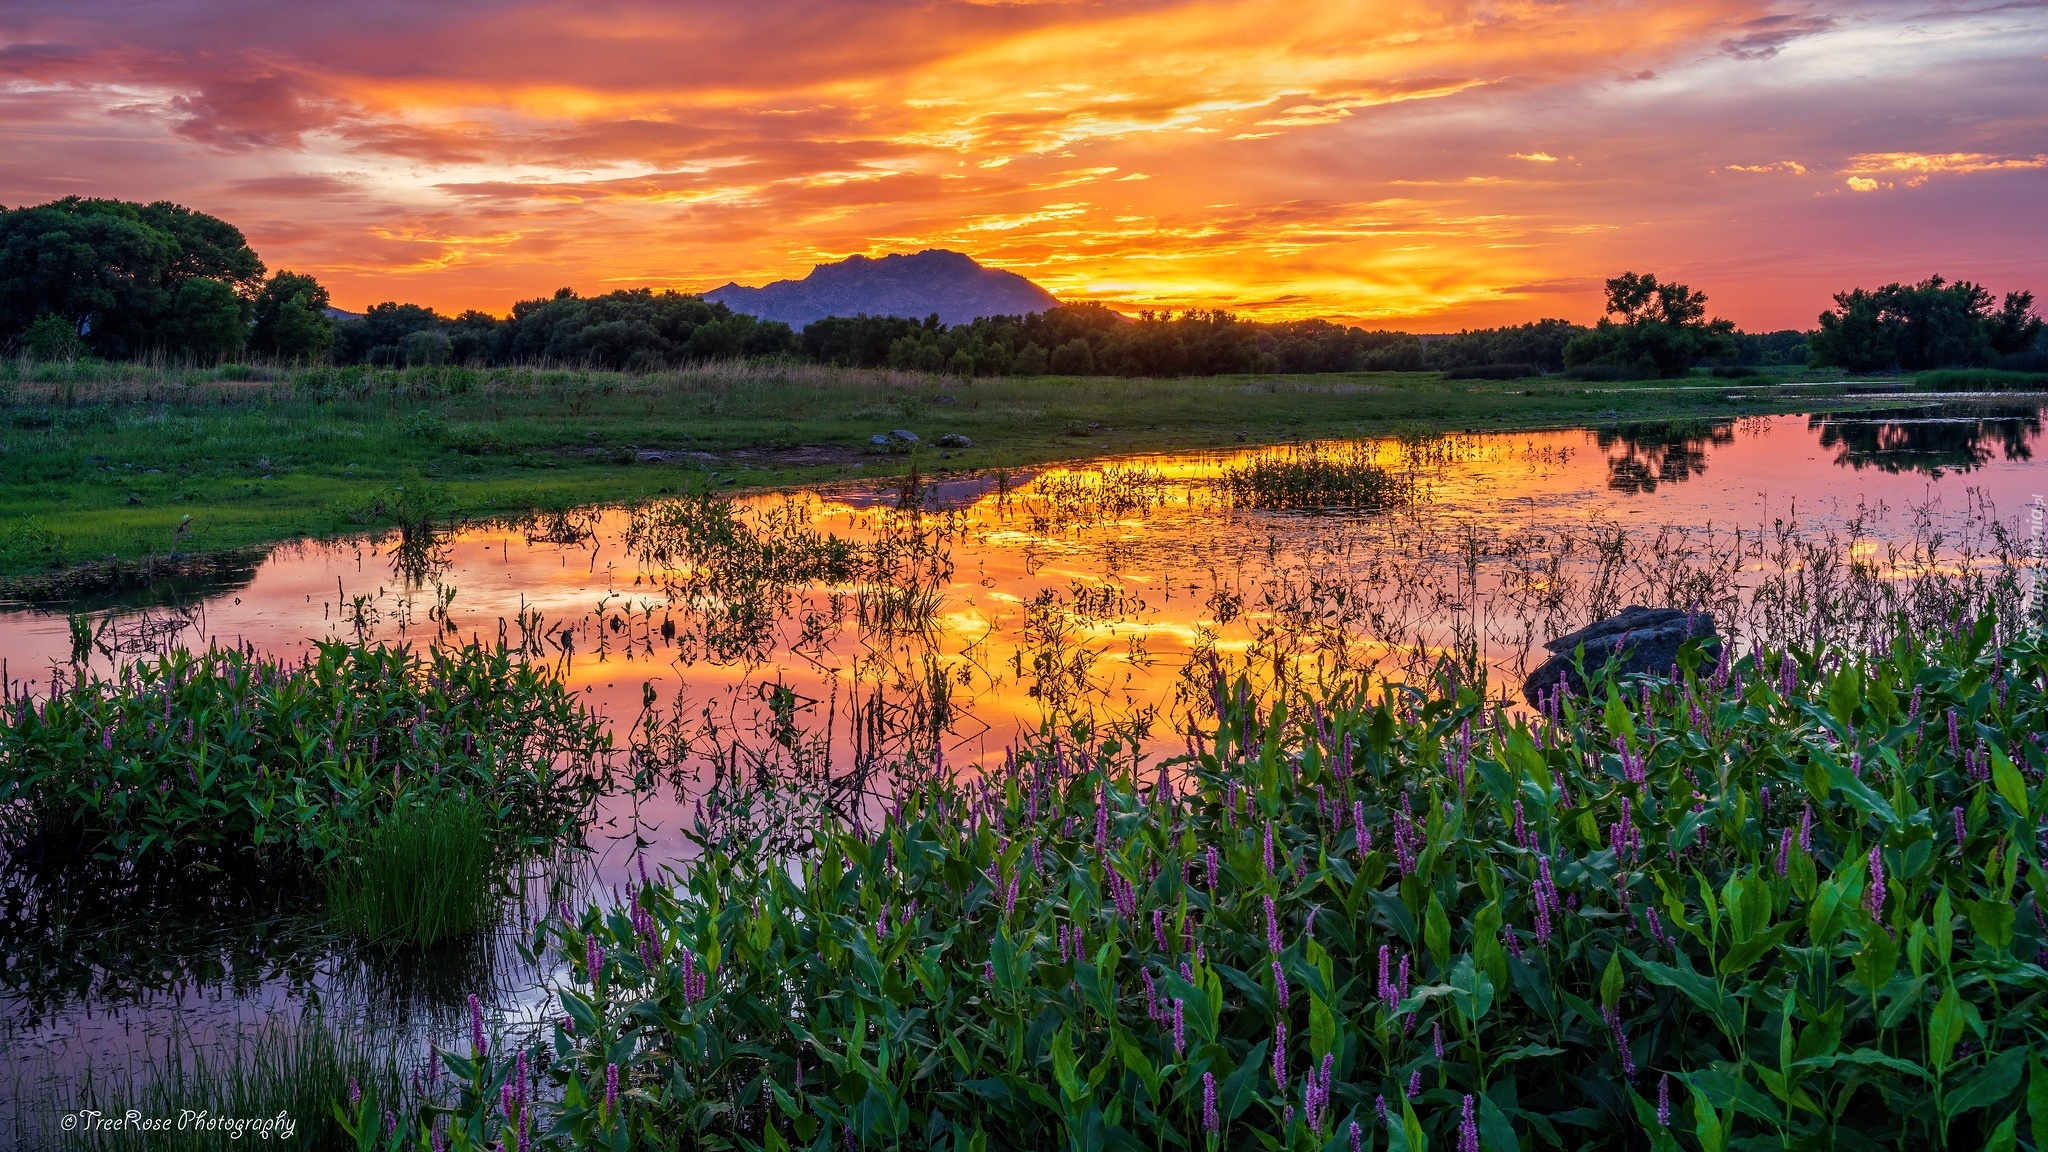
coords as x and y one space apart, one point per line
1312 476
277 1074
422 877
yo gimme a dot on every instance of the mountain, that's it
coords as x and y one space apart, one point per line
935 280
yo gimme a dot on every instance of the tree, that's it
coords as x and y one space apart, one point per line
1074 358
207 322
116 271
1932 324
291 321
1663 330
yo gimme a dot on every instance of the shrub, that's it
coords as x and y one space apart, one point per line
222 754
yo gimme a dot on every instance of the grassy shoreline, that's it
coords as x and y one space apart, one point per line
107 471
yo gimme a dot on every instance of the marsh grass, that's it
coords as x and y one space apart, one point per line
109 460
1313 476
300 1069
421 878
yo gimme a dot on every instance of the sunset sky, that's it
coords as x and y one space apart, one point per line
1421 166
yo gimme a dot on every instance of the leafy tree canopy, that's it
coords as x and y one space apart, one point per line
1932 324
1662 329
117 274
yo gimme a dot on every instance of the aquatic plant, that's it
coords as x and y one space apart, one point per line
223 754
1793 902
295 1070
422 876
1309 476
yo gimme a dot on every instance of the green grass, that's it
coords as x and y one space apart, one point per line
103 466
1313 476
420 878
300 1071
1980 380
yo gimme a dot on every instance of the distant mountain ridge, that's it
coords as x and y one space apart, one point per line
951 284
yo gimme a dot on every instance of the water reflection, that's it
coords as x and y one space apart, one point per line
1932 440
1660 452
768 659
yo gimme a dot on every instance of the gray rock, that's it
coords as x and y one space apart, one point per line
905 435
955 440
1635 641
879 440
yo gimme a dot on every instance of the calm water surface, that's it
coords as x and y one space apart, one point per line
1084 592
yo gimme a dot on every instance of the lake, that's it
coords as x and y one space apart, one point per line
963 610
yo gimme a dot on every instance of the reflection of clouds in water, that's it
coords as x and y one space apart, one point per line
1090 594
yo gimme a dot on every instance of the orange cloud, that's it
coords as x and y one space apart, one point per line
1362 159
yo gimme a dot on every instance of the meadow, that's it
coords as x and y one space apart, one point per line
113 474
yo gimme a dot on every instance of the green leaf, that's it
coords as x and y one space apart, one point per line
1436 931
1236 1092
1843 697
1495 1133
2006 779
1610 981
1993 920
1322 1027
1064 1069
1992 1083
1713 1136
1740 957
1616 715
2037 1100
1945 1028
1487 952
1412 1128
2005 1137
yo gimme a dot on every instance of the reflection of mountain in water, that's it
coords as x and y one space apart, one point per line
1930 440
1664 452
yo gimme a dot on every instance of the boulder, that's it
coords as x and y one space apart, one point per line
955 440
1635 640
904 435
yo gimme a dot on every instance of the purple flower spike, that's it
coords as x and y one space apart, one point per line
1415 1084
611 1090
1272 928
1784 851
1211 1123
1874 899
1280 1055
1664 1102
1468 1128
1280 984
1180 1030
1358 1134
1957 813
1213 868
476 1027
593 958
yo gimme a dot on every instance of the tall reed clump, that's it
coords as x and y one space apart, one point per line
224 756
1311 476
1791 901
423 876
278 1086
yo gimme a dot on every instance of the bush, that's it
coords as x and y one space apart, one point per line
1493 372
1789 902
222 756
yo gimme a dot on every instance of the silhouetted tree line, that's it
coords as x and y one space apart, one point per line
119 280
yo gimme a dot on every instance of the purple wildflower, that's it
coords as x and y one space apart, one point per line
1280 984
611 1089
476 1028
1806 830
1784 850
1664 1101
1213 869
1272 928
1360 834
1415 1084
1211 1123
1280 1055
1957 813
1874 900
1180 1029
1437 1039
1468 1128
593 957
1628 1058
